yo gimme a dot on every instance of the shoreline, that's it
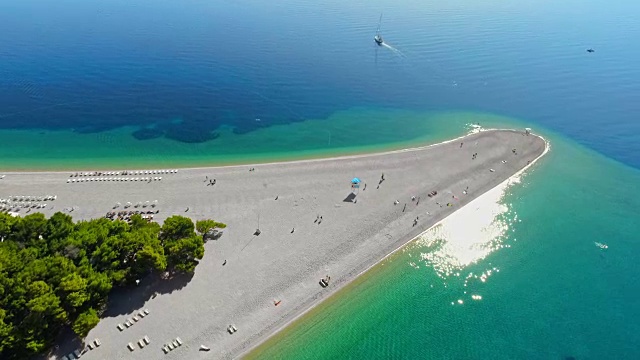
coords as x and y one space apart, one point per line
280 264
334 292
254 159
294 159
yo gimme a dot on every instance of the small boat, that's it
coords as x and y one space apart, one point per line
590 50
204 348
602 246
378 38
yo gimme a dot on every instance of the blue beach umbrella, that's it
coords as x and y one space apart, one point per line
355 183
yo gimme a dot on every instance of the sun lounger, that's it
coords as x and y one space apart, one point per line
141 343
128 323
90 346
77 353
141 314
175 344
135 318
146 340
120 327
130 346
171 347
166 349
97 342
179 341
146 311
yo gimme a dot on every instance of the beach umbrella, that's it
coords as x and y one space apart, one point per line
355 183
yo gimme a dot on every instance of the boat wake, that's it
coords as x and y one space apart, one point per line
394 50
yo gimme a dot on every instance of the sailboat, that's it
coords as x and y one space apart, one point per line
378 37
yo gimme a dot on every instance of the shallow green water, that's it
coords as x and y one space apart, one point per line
352 131
548 292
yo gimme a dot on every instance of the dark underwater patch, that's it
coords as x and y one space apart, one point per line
147 133
190 134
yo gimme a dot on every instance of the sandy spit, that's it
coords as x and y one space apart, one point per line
293 251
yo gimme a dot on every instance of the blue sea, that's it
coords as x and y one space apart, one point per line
96 84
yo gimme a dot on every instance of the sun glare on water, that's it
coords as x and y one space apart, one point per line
468 236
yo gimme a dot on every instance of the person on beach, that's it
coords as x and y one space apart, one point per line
224 263
404 208
292 230
461 144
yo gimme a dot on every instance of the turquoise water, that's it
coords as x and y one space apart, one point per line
141 83
551 293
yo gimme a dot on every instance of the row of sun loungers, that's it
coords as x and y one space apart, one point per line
74 355
112 214
124 172
28 198
133 320
24 206
94 344
172 345
137 205
142 343
77 353
147 179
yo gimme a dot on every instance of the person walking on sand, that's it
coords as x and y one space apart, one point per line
224 263
405 207
292 230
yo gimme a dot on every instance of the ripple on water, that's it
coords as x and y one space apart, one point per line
469 235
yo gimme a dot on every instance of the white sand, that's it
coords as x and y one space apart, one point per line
278 264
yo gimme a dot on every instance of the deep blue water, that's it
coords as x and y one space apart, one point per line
183 69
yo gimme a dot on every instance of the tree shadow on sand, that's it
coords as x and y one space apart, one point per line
122 301
129 299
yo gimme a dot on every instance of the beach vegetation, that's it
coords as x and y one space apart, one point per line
57 273
182 246
204 226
